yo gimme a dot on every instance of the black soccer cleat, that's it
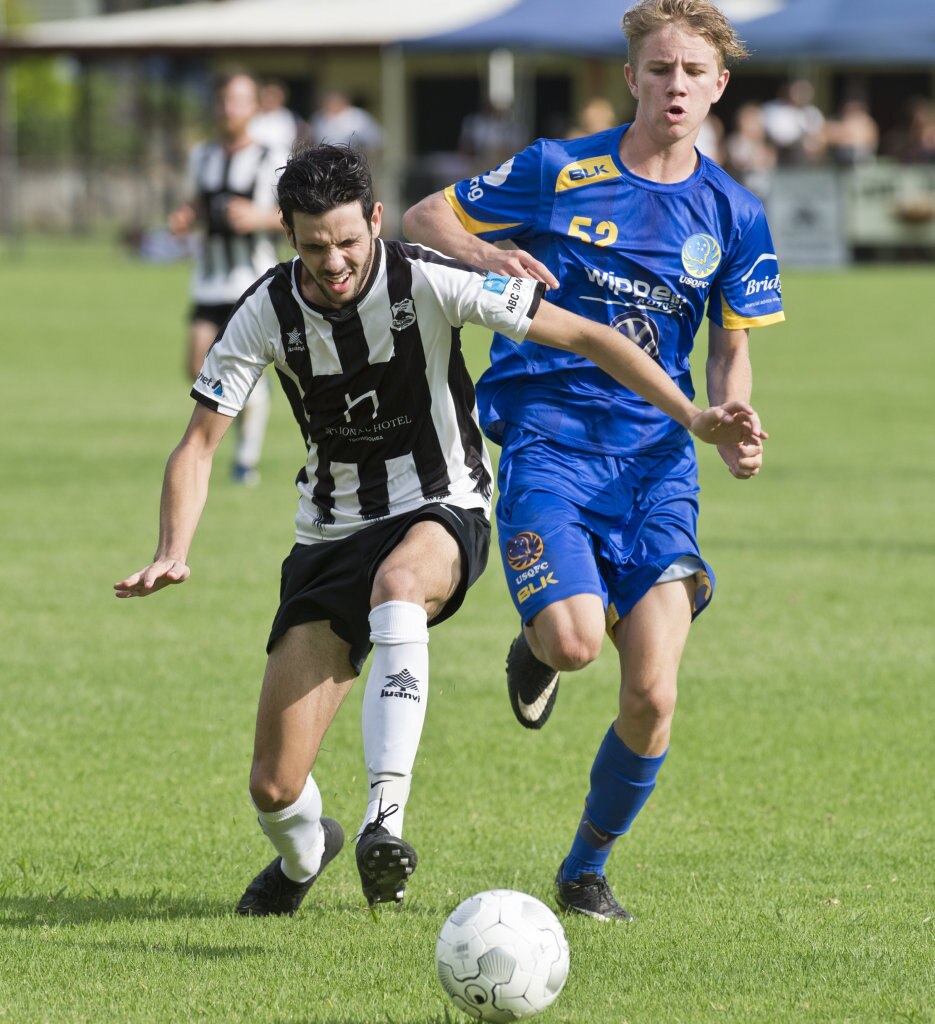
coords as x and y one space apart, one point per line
272 893
589 894
384 861
532 685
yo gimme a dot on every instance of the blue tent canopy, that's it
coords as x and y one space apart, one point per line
884 32
588 27
887 32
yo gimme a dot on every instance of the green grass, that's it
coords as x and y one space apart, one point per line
783 870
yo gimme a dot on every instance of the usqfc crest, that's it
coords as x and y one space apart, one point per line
701 256
404 314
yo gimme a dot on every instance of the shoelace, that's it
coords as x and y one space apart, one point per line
601 888
382 814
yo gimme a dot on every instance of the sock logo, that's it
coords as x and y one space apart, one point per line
402 684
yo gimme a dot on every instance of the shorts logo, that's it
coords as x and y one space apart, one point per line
525 593
404 315
640 329
524 550
402 684
701 256
495 283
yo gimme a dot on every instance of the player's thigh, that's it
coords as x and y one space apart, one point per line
650 640
423 568
568 634
546 548
308 675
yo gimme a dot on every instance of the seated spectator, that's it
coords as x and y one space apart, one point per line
913 142
339 122
794 125
275 126
749 156
597 115
489 137
853 136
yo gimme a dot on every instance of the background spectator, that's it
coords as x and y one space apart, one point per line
794 125
748 155
339 122
597 115
275 126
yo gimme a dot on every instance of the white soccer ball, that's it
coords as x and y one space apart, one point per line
502 956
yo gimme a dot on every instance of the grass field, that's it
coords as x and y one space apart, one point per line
784 870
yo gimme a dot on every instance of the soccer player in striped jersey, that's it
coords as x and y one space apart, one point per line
632 227
392 524
232 182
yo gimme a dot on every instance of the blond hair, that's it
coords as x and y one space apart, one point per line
700 17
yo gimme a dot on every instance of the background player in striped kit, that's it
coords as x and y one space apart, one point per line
233 203
393 517
631 226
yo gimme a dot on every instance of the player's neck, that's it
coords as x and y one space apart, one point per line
666 164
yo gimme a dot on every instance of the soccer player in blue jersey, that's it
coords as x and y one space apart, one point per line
598 505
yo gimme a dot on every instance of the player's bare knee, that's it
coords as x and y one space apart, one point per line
569 649
396 583
270 793
654 704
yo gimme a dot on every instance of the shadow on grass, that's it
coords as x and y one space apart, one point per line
40 910
439 1018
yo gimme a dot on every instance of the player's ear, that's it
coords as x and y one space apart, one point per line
629 73
289 232
376 220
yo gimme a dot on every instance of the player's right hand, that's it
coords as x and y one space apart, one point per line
518 263
155 576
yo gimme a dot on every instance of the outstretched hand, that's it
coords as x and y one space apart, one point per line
728 424
155 576
518 263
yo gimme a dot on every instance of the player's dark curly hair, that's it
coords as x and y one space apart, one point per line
316 179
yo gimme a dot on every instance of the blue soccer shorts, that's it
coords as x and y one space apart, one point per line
572 522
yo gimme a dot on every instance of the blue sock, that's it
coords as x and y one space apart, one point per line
621 783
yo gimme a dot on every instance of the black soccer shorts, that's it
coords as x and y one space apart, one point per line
332 580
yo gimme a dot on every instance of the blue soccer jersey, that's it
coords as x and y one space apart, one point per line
646 258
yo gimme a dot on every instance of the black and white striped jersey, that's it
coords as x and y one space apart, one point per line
226 264
379 388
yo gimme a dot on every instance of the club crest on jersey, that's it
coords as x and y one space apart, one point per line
701 255
404 315
524 550
641 329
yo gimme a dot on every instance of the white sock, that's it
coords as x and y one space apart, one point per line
251 425
388 791
394 705
297 834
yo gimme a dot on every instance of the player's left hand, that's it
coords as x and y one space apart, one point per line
728 424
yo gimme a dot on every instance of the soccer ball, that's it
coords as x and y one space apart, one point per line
501 956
